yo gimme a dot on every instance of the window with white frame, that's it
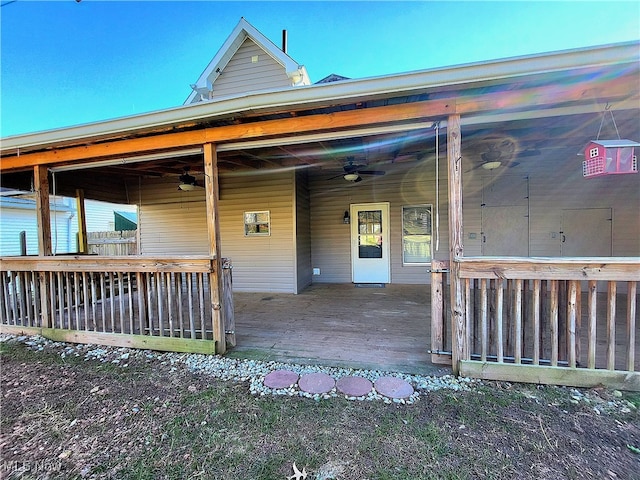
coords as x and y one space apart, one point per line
257 223
416 234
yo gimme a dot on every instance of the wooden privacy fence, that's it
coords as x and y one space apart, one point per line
140 302
556 321
116 243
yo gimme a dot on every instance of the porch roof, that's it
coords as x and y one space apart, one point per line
547 103
476 78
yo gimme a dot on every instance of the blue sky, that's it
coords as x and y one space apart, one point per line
65 63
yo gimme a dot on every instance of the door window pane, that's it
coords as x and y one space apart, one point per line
370 234
416 234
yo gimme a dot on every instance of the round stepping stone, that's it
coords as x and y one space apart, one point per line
354 386
316 383
393 387
280 379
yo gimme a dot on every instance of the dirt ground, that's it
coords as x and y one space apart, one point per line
76 418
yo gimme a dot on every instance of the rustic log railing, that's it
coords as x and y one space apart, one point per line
141 302
556 321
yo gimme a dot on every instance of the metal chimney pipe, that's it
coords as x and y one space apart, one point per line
284 41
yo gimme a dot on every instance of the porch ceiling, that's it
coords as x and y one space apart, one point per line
522 145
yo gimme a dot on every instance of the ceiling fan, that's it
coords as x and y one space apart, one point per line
187 182
353 171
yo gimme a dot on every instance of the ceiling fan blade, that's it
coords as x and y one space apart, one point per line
336 176
371 172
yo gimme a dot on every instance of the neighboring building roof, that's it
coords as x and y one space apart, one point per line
28 202
333 77
125 220
204 87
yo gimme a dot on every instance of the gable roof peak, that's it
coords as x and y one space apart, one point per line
203 88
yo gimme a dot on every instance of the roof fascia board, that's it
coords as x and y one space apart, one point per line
334 92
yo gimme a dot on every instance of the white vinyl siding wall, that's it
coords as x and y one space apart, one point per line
242 75
20 215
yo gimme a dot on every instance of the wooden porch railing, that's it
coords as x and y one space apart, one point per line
556 321
143 302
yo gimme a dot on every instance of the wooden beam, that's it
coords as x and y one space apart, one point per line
525 268
547 375
459 332
213 228
165 344
83 246
43 213
97 263
245 131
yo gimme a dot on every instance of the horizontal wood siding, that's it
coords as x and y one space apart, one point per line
303 232
241 75
174 222
404 184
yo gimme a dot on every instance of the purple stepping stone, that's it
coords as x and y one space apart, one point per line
280 379
354 386
316 383
393 387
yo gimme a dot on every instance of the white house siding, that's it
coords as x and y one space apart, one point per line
243 75
303 232
19 214
404 184
173 222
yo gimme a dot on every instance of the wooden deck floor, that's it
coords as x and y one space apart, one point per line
339 325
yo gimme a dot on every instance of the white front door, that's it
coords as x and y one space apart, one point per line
370 243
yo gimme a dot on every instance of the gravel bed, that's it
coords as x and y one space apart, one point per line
253 372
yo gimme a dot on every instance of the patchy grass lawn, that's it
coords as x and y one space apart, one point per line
69 418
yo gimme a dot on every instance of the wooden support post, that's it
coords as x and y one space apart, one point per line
483 319
43 214
213 228
459 331
591 332
553 320
43 219
83 246
572 296
631 325
611 326
536 320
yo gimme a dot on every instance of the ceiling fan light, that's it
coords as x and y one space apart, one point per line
491 165
351 177
187 187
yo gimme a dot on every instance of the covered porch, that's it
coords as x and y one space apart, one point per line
292 160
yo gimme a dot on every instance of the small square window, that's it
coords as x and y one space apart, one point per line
257 223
